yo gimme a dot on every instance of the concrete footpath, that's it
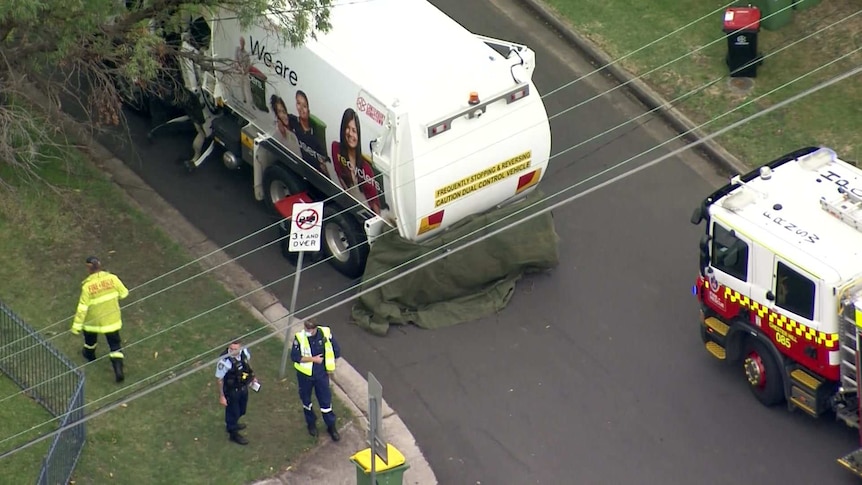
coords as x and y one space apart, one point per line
328 463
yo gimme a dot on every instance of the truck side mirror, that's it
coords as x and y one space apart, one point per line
697 215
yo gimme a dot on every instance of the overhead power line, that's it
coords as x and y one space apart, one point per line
632 120
452 140
540 206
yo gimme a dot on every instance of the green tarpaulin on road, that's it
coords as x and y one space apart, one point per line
465 285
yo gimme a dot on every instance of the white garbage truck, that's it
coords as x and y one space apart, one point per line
398 118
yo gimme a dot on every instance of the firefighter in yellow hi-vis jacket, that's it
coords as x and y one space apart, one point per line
99 313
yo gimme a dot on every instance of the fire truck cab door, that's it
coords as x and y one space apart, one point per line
731 263
794 293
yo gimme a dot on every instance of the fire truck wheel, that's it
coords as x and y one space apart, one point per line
344 242
763 373
278 183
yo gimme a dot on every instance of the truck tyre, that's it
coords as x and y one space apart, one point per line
278 183
344 242
763 373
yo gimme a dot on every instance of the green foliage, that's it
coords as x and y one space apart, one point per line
105 29
66 46
298 19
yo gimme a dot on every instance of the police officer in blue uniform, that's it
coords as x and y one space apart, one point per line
313 353
234 376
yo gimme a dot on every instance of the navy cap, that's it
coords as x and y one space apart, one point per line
93 260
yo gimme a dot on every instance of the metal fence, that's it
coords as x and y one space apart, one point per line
52 380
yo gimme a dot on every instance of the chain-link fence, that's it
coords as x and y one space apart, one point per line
49 378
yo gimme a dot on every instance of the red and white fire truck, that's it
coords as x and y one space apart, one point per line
780 283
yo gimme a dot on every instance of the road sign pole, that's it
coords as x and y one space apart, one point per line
372 411
290 318
375 414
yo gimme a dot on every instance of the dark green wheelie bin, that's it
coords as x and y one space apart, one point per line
775 14
805 4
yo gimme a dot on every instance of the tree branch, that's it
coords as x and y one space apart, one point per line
6 28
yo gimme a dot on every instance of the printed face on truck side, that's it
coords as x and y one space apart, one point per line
281 113
280 109
351 136
302 108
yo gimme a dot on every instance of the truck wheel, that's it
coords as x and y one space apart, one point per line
278 183
763 373
344 242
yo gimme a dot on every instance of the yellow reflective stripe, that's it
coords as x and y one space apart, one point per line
116 355
858 318
111 327
106 297
828 340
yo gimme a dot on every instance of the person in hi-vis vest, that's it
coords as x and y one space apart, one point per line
99 313
314 352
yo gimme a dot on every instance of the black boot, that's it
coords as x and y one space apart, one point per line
238 438
333 432
312 430
88 354
118 369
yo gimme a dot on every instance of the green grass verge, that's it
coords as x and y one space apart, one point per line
175 434
830 117
18 416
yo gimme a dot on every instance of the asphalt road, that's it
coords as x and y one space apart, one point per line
595 373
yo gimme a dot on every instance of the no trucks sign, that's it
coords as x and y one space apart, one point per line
305 227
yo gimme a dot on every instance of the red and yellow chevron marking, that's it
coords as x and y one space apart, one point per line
528 180
431 222
828 340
